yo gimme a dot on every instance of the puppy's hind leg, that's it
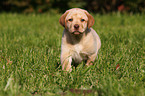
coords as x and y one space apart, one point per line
91 59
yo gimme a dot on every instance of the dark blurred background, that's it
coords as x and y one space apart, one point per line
95 6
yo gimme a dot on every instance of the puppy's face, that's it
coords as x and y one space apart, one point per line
76 20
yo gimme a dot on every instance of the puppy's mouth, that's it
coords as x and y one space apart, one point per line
77 32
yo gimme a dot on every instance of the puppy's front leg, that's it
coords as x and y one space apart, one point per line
91 59
66 61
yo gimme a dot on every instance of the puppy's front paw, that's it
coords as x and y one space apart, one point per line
66 64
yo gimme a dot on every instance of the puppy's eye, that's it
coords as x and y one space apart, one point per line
70 19
82 20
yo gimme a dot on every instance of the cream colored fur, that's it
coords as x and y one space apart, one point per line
79 41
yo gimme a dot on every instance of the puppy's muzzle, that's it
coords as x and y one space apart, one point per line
76 30
76 33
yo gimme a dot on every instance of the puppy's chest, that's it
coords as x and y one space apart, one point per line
78 53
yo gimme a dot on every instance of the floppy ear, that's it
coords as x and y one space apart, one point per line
62 19
90 19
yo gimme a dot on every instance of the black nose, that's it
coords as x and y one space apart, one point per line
76 26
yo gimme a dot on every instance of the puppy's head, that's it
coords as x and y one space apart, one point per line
76 20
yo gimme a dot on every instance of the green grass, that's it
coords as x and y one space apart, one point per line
30 57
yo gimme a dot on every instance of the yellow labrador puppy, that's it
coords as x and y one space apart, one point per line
79 41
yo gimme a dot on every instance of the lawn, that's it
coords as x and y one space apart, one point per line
30 57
